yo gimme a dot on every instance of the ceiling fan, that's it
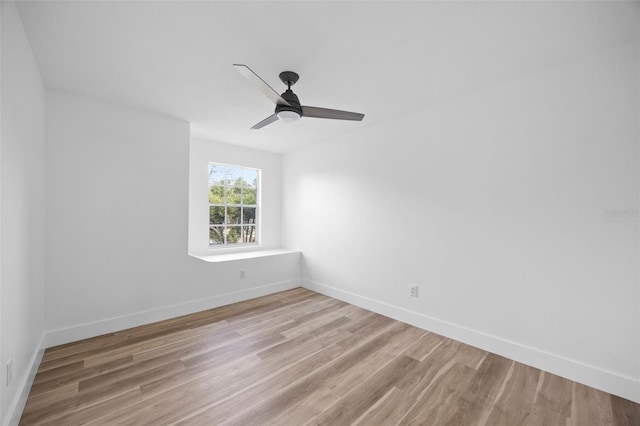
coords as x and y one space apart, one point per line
288 106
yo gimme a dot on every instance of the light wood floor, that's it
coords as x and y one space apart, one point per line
297 358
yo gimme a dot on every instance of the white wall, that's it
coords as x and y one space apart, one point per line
22 210
204 151
117 213
494 204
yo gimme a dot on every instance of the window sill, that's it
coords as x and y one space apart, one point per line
228 257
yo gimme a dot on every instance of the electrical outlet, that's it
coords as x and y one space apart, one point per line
9 372
242 274
413 291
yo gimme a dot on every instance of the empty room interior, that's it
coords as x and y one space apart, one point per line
339 213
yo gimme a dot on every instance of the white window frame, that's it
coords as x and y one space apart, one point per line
256 225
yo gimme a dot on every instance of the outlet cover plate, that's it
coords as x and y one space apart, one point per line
413 291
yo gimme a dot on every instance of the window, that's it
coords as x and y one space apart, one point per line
233 205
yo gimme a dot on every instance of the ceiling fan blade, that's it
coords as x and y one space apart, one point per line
266 121
262 85
335 114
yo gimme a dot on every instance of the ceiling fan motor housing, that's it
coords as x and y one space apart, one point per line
294 103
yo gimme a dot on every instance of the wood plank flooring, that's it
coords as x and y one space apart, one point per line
298 358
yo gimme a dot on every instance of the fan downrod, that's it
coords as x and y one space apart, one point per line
289 78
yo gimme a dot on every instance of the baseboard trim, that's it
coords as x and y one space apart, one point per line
17 406
625 387
83 331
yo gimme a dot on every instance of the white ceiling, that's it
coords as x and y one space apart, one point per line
380 58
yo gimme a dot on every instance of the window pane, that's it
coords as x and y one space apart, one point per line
250 177
233 204
233 195
216 215
234 235
249 215
216 195
248 196
216 174
233 215
248 234
233 174
216 235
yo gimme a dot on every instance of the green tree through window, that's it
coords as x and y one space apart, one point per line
233 204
